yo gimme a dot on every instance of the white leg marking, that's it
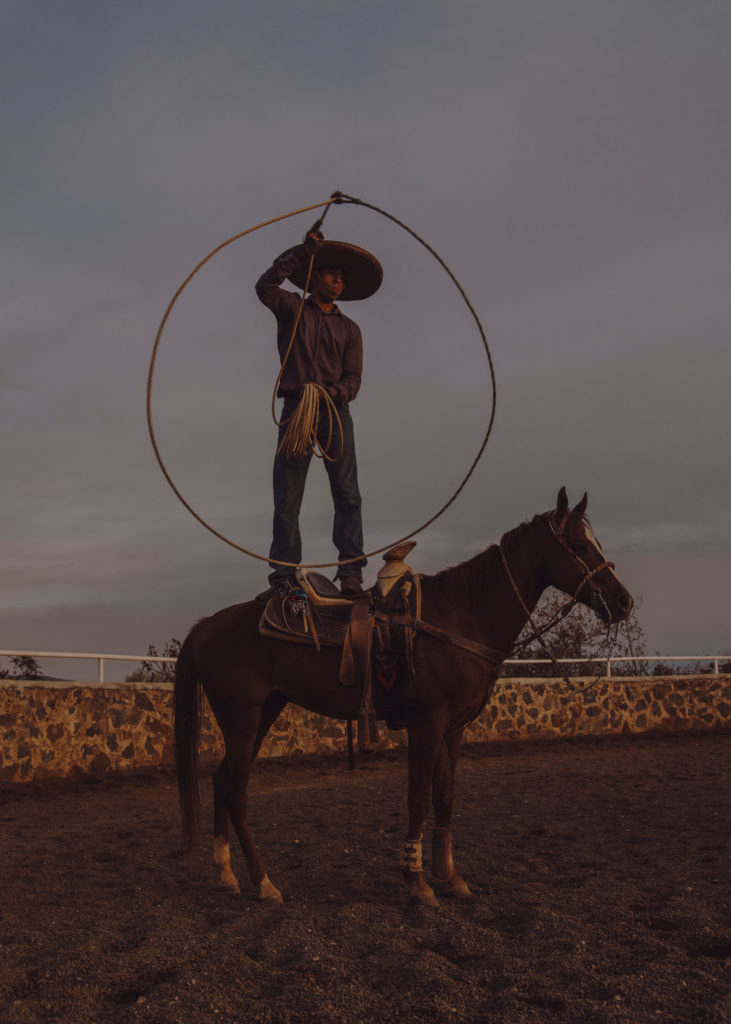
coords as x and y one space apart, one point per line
222 860
268 891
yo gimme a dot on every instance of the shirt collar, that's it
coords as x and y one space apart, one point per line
335 310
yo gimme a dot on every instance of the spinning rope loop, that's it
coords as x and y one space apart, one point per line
315 392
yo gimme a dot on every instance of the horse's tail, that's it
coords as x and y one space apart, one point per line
187 706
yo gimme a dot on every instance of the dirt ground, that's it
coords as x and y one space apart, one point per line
600 871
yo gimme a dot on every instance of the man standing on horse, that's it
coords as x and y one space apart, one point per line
321 351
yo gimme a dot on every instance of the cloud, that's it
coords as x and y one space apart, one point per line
572 172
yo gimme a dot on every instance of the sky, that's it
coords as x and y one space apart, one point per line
570 161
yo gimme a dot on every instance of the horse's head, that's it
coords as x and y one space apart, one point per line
576 563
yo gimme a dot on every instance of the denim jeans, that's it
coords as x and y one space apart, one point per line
290 475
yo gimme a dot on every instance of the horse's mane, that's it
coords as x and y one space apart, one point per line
477 572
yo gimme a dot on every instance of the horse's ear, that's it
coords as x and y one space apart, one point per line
562 503
578 512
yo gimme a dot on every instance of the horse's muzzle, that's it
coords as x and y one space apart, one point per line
609 607
625 604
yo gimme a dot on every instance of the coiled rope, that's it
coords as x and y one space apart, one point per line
300 437
336 198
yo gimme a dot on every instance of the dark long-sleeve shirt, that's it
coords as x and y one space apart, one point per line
328 347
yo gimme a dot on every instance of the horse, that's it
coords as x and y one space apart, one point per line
472 615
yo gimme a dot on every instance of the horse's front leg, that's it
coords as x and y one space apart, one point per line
442 860
425 739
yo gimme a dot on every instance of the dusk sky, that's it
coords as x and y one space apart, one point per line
569 160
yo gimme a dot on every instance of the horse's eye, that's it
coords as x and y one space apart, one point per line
580 549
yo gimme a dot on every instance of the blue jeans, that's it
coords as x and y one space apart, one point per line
289 487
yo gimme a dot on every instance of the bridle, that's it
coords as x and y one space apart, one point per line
588 574
491 654
597 598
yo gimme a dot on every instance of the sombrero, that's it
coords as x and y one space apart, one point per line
363 272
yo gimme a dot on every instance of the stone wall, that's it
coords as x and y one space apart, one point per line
62 729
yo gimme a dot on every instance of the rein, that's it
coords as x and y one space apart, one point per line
490 654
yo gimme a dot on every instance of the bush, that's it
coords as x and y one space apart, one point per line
579 635
24 667
154 671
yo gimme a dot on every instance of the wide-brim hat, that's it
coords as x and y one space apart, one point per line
363 272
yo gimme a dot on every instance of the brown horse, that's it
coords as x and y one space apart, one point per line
484 602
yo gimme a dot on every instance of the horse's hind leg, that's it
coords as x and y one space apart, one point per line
269 714
221 848
221 799
442 861
240 750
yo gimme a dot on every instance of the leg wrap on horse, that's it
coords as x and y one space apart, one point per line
411 855
442 863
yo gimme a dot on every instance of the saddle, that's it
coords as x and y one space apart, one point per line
373 647
315 613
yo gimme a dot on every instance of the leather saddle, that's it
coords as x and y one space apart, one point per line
317 614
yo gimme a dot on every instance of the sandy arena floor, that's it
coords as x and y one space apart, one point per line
600 869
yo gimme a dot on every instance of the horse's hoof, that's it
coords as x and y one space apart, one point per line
269 893
228 880
459 891
419 889
457 888
426 899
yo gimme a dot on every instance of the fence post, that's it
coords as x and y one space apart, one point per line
715 666
101 670
609 668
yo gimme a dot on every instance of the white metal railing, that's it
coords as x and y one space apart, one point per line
714 658
608 662
99 658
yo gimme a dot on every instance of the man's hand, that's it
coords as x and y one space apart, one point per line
313 241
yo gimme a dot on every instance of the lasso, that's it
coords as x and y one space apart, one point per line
304 431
